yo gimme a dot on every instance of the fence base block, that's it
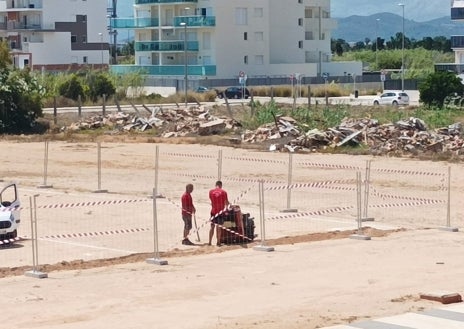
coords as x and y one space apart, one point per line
36 274
449 229
359 237
156 261
368 219
45 186
289 210
263 248
100 191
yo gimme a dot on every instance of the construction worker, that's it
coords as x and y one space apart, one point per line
219 204
188 209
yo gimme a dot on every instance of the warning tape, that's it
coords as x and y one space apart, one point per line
189 155
90 203
9 241
328 165
94 234
323 184
312 213
385 196
409 172
407 204
256 160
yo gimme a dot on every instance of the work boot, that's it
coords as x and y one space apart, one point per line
187 242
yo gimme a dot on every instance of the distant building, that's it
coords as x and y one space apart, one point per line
55 34
226 39
457 41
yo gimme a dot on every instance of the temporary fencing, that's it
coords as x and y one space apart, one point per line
294 194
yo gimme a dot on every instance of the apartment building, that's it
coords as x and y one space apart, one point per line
226 39
55 34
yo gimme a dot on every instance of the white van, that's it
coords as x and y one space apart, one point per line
9 214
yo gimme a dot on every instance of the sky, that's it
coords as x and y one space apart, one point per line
417 10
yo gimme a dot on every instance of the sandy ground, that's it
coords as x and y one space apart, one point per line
316 276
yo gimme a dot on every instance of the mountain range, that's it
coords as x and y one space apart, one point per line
385 25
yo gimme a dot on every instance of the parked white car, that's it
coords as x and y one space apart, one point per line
9 214
394 98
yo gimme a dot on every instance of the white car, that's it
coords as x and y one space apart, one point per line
394 98
9 214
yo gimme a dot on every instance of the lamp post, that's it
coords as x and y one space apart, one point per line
402 52
101 48
185 60
377 42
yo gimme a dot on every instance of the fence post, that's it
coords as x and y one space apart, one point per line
289 184
55 111
44 185
156 172
104 104
359 235
79 106
156 255
99 190
367 178
262 226
448 208
219 161
35 273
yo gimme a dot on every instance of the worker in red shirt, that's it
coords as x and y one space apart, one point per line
219 204
188 210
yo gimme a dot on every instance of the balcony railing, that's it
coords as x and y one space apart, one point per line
457 41
166 46
132 23
457 13
450 67
195 21
146 2
165 70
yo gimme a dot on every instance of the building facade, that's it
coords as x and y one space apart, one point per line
55 34
225 39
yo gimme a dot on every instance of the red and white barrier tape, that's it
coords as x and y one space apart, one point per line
90 203
94 234
324 184
312 213
189 155
408 172
9 241
256 160
407 204
328 165
385 196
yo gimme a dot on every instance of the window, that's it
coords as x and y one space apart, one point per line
84 59
259 36
309 35
241 16
259 59
245 36
300 21
245 59
84 39
206 42
73 39
300 44
258 12
308 13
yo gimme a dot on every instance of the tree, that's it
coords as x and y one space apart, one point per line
437 86
100 84
71 88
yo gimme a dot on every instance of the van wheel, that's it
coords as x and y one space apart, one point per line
376 103
395 103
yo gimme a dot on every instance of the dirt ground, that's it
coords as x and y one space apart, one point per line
309 281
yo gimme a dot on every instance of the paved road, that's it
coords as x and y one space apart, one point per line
449 317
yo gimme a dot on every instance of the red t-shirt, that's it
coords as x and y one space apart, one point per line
218 199
187 204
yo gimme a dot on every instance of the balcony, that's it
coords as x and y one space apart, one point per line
457 41
149 2
166 46
14 26
195 21
457 13
165 70
133 23
28 5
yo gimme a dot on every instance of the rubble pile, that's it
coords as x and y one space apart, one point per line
170 122
405 136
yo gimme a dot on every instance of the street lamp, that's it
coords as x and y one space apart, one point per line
377 42
101 48
402 52
185 60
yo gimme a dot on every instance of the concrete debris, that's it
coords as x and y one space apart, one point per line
167 122
409 136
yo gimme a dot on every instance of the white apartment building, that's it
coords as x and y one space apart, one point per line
55 34
223 39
